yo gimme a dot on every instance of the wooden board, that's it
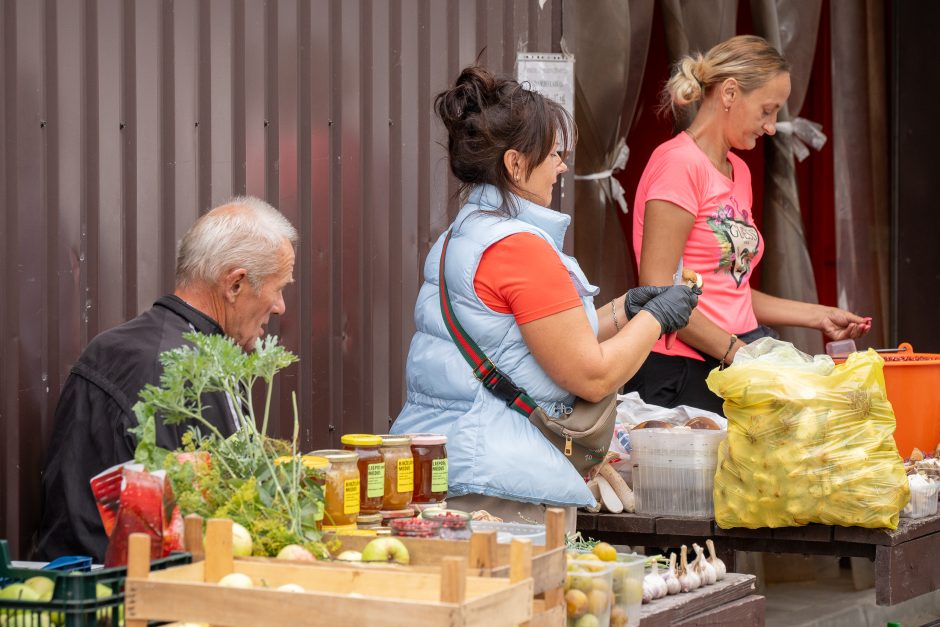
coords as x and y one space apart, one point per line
907 570
908 529
747 612
167 600
669 525
672 609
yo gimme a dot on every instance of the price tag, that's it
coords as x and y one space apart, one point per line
439 475
375 482
406 474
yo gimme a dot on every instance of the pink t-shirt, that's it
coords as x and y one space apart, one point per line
724 246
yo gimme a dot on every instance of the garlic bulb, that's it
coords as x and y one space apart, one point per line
688 579
656 583
672 581
647 592
703 567
720 569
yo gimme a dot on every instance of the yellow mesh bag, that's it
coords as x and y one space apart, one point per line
808 441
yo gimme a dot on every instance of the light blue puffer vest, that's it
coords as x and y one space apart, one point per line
491 449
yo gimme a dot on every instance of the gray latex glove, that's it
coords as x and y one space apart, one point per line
671 305
639 296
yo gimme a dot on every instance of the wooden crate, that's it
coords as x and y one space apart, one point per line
485 557
333 596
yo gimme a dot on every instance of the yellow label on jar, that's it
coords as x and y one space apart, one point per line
375 481
439 475
406 474
351 496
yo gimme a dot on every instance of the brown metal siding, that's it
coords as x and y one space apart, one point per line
122 121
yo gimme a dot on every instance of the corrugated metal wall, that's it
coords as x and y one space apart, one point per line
122 120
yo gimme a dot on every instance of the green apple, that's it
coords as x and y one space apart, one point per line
386 549
295 552
236 580
241 541
291 587
18 592
42 585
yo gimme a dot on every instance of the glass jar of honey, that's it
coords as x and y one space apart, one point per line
399 471
342 487
371 470
430 459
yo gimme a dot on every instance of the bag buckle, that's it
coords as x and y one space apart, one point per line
501 387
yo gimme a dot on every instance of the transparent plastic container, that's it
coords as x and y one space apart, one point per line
674 470
627 585
506 531
589 592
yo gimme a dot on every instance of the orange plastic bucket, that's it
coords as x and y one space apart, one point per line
913 384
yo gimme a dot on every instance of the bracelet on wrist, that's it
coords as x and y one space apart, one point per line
724 363
613 312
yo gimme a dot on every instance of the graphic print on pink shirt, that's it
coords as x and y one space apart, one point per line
724 245
738 240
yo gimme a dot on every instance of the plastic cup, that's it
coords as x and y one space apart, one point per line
588 592
627 585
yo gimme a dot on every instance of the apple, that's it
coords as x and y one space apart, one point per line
386 549
236 580
42 585
349 556
19 592
291 587
241 541
297 553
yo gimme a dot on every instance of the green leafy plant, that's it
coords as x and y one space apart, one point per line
258 481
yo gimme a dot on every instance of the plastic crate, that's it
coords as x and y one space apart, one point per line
674 470
75 601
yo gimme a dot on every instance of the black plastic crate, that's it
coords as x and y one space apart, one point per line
75 601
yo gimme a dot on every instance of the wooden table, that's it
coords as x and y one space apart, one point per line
907 560
731 601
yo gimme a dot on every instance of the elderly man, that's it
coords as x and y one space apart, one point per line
232 267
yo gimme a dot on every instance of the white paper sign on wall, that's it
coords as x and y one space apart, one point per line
550 74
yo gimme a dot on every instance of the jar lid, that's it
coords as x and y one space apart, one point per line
427 439
388 514
361 439
395 440
369 519
340 528
337 455
310 462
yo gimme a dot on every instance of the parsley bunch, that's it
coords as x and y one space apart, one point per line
257 481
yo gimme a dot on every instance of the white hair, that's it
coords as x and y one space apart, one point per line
245 232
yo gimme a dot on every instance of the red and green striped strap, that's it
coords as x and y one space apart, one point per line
492 378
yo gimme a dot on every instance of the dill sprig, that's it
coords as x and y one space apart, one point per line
258 481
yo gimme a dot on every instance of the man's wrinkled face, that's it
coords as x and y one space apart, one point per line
252 309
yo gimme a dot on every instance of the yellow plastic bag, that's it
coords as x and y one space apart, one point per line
808 441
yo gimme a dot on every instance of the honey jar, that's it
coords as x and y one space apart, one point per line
371 470
430 464
399 471
342 487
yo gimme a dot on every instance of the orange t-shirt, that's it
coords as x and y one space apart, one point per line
521 274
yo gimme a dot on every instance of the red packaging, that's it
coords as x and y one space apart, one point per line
132 500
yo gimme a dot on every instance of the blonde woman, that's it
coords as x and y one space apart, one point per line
694 201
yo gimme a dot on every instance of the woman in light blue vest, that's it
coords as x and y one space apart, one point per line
523 301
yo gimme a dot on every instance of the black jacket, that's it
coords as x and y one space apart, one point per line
94 413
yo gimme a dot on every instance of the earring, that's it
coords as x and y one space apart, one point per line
727 109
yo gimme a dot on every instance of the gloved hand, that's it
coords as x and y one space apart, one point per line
639 296
671 306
